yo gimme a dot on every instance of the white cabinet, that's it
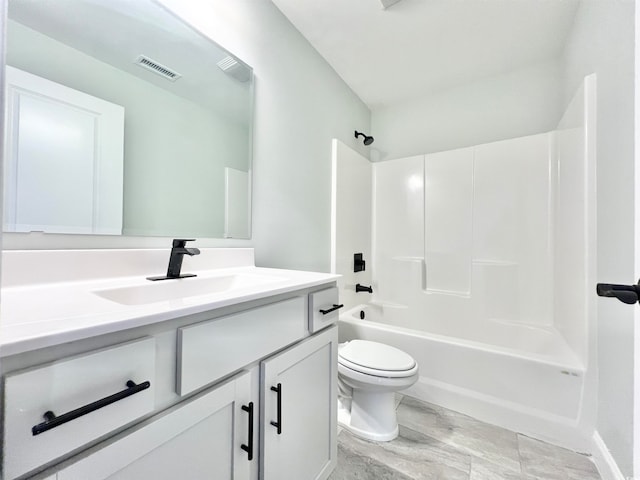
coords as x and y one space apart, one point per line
201 439
240 410
209 436
299 410
75 392
207 351
323 309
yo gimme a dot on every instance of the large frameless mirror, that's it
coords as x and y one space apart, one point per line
122 119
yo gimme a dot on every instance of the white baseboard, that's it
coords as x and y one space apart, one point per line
607 466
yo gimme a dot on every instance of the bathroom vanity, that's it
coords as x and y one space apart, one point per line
227 375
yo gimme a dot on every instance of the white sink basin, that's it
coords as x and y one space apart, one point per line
182 288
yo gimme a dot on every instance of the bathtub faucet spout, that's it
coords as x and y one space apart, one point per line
362 288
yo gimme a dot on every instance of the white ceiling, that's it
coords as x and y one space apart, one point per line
417 47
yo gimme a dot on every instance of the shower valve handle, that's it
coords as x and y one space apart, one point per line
629 294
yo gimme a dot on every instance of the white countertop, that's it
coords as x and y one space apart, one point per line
38 315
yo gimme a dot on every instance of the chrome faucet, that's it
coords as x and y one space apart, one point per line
178 251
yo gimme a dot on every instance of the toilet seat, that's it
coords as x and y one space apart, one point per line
376 359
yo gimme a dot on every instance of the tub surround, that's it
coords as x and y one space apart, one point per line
350 221
53 297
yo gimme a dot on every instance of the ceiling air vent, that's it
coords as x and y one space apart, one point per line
157 68
234 68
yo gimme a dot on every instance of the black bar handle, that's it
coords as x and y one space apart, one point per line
53 421
625 293
278 423
332 309
249 448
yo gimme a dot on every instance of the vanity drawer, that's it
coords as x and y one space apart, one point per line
211 350
63 387
322 309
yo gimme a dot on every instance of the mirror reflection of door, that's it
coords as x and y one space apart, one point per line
64 159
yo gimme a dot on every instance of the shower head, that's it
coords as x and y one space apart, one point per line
367 140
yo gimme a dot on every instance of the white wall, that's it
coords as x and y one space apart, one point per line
350 222
399 273
3 8
636 416
574 225
512 219
602 41
300 105
479 226
515 104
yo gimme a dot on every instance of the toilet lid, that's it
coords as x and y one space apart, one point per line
376 356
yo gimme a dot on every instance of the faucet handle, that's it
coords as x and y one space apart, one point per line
181 242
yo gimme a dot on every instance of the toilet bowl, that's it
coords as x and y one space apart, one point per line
369 374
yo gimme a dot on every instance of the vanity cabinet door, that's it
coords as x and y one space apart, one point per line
200 438
299 410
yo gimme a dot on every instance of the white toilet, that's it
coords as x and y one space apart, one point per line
369 374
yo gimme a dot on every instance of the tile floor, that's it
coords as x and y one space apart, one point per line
439 444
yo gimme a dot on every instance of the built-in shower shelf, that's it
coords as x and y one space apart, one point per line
497 263
408 259
453 293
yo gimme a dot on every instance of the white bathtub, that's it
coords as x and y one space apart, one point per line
535 388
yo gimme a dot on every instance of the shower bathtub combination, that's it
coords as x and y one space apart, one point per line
481 265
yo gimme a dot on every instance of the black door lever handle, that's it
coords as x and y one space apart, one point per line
629 294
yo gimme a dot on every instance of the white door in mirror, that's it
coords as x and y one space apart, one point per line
64 159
